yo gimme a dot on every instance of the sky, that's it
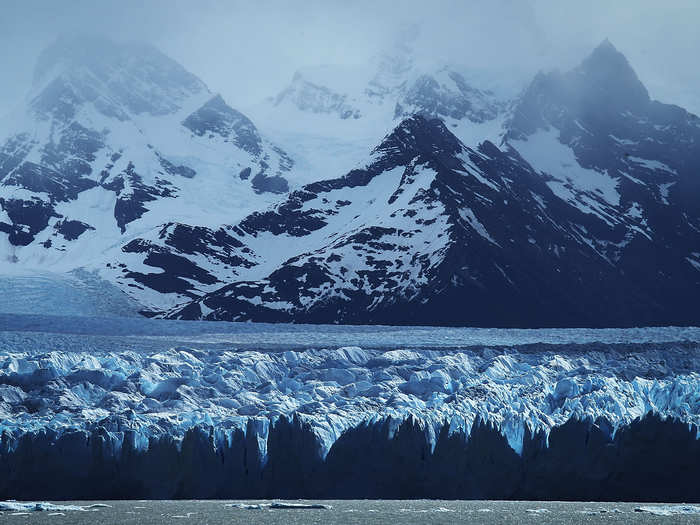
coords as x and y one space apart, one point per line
248 50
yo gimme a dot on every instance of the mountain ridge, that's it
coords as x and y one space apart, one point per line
579 212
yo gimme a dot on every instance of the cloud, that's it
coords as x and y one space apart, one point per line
249 50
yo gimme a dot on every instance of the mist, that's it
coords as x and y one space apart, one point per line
248 51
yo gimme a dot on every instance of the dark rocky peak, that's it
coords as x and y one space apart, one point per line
601 88
418 139
607 77
218 118
118 78
419 135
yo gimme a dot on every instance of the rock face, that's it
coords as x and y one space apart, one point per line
608 149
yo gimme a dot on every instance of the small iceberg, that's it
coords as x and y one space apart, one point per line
43 506
669 510
278 505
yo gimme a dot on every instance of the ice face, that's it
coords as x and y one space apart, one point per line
63 382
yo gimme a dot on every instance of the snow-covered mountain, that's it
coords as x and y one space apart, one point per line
114 141
390 85
329 117
427 199
582 217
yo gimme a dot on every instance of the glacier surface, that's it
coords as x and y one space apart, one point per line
77 293
157 378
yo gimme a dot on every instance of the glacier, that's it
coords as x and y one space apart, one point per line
76 293
145 389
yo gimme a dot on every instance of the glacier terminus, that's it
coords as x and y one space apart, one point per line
220 406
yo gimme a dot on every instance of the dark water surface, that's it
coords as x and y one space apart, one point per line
362 512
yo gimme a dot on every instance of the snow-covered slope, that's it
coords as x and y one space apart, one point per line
430 231
581 216
114 142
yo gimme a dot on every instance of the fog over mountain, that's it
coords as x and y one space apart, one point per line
250 51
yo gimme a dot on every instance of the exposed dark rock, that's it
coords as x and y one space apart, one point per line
274 184
132 194
217 118
28 218
71 230
172 169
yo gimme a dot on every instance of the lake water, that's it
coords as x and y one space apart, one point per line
364 512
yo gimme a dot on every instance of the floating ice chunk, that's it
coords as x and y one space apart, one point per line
247 506
425 511
601 510
283 505
43 506
669 510
278 505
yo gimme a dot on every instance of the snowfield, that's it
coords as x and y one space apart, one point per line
159 378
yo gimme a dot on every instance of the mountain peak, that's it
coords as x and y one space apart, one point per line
606 44
120 78
72 51
605 54
607 73
421 133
